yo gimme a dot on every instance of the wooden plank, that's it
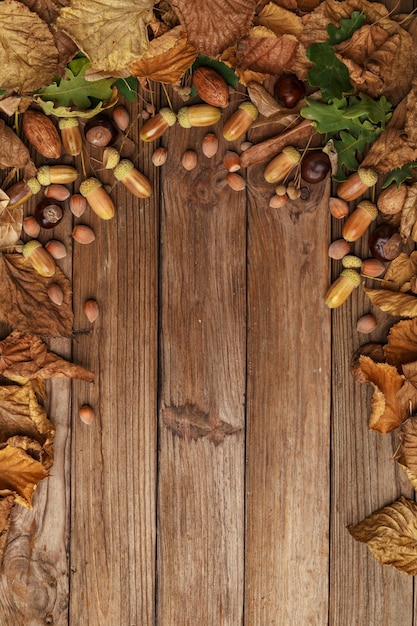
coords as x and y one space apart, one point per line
201 462
113 477
288 410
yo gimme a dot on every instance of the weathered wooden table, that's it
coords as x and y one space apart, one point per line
230 447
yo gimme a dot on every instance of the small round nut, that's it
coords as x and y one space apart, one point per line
121 117
338 208
55 293
210 145
86 414
276 202
338 249
373 268
366 324
57 192
235 181
293 192
56 249
83 234
189 160
91 310
160 156
231 161
31 226
78 204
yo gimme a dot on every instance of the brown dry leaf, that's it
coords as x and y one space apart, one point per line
111 33
14 153
391 150
387 412
214 25
363 43
401 346
407 395
10 226
263 52
263 99
400 271
391 535
48 10
26 356
167 58
22 415
245 76
279 20
24 301
406 453
19 474
393 302
6 506
409 213
28 54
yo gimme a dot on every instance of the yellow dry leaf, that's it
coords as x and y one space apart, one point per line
6 506
387 412
279 20
401 346
245 76
400 271
393 302
10 225
391 535
111 33
167 58
407 395
409 213
19 474
28 54
406 453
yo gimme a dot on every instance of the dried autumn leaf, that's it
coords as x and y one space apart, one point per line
401 346
28 55
400 271
279 20
167 58
245 76
406 453
24 301
10 226
391 535
19 474
111 33
409 213
387 412
393 302
391 150
261 51
407 395
48 10
14 153
263 99
26 356
214 25
22 415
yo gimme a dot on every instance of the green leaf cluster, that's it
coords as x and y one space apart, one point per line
352 122
328 73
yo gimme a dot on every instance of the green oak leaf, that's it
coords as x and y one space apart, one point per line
346 29
349 145
362 105
328 73
128 87
329 117
399 175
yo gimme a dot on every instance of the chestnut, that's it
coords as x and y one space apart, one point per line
315 166
101 131
385 242
289 90
48 213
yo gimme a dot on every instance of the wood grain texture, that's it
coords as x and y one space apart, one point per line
201 459
288 409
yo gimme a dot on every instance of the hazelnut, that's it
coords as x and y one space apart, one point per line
189 160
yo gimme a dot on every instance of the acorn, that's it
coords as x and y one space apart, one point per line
155 127
39 258
132 179
70 135
61 174
359 220
357 184
281 165
22 191
198 115
240 121
342 287
98 198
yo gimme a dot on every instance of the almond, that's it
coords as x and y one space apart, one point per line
42 134
210 86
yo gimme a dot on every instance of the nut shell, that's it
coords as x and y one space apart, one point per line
42 134
210 86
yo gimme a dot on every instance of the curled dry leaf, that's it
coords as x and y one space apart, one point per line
19 474
393 302
280 20
400 271
14 153
406 453
166 59
387 411
24 300
390 535
214 25
401 346
262 51
407 395
26 356
111 33
6 506
263 99
409 215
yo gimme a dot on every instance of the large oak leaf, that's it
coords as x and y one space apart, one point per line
19 474
26 356
401 346
391 535
214 25
24 300
111 33
400 271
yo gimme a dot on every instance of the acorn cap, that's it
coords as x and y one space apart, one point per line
351 261
351 275
368 176
122 169
292 153
34 185
30 246
369 207
169 116
183 118
89 185
43 175
111 157
68 122
250 108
